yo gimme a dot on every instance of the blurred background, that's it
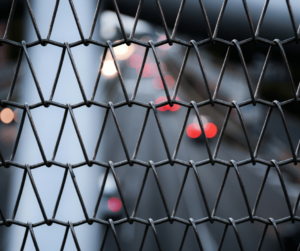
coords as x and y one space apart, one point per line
234 25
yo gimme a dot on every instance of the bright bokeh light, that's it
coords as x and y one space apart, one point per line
114 204
193 130
109 68
210 130
164 108
165 46
123 51
158 84
7 115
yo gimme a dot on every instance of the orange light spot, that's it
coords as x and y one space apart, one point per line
109 68
114 204
121 49
158 84
210 130
193 130
7 115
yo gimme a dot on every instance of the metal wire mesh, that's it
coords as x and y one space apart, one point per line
151 107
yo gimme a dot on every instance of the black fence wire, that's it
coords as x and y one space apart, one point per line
191 166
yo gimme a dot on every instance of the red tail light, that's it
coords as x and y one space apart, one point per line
164 108
114 204
194 131
210 130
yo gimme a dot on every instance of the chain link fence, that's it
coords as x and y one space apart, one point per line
151 107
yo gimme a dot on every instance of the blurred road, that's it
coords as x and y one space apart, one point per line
232 204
